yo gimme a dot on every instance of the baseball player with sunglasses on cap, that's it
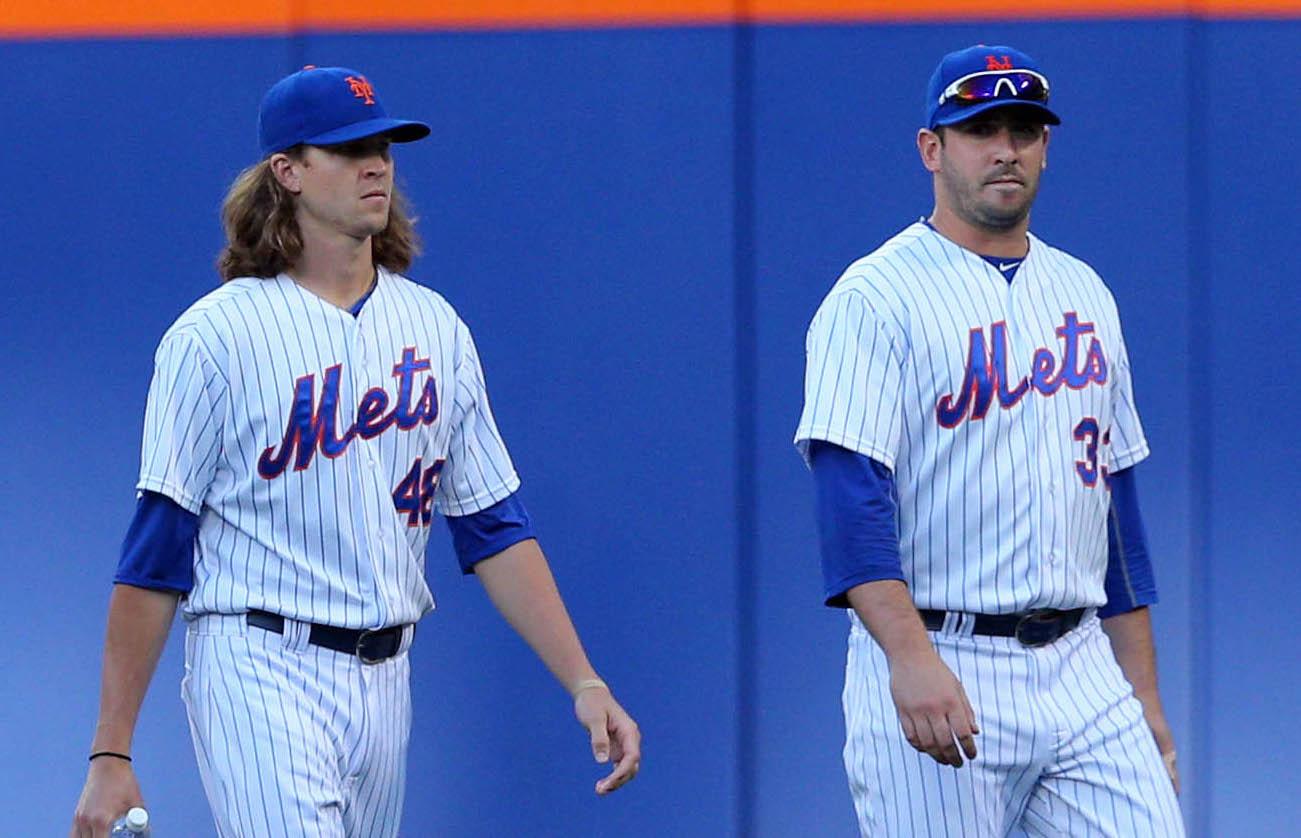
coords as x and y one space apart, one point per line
304 422
970 423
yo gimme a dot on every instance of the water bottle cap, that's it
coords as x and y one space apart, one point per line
137 819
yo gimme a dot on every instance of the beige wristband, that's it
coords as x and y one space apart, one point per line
588 684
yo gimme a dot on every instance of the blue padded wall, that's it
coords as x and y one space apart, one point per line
1243 396
116 156
579 203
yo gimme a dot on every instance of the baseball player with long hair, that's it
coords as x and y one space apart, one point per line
304 422
970 422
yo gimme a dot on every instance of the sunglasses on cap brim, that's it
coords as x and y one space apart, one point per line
988 85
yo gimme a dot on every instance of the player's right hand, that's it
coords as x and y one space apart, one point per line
111 789
933 709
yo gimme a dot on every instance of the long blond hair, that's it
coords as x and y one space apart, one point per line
262 235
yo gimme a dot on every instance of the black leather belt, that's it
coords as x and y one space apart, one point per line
371 645
1033 628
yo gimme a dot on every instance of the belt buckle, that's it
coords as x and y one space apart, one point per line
367 634
1038 628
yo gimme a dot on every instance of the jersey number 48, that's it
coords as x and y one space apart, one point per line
415 494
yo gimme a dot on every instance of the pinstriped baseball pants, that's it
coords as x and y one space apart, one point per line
293 739
1063 750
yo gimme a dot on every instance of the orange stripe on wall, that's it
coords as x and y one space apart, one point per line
127 17
928 10
37 18
488 13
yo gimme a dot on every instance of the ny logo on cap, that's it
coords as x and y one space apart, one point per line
992 62
362 89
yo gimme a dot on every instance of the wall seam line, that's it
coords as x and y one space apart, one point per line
1201 435
745 386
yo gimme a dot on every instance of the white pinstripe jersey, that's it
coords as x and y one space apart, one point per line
314 445
1000 409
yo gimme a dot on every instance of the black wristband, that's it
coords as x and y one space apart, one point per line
99 754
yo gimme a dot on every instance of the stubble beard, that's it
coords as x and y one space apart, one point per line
983 214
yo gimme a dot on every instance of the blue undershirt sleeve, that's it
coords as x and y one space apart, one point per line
487 532
1130 583
857 520
158 551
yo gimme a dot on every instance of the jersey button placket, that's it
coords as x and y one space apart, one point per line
1038 424
370 373
363 379
351 460
1050 465
1037 419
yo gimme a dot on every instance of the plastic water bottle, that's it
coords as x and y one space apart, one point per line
134 824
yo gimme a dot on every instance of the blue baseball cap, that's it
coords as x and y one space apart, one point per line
977 79
327 106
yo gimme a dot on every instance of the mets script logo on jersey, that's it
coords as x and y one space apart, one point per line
986 375
313 425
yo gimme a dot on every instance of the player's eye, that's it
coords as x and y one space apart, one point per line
369 147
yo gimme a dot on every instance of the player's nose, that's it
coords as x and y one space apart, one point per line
376 165
1003 147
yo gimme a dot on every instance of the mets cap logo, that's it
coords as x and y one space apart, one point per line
998 62
362 89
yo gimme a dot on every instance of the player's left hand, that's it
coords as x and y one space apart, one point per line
615 736
1154 714
1165 740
